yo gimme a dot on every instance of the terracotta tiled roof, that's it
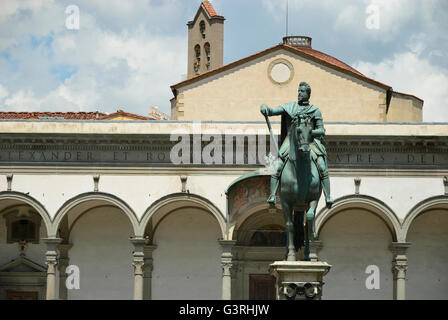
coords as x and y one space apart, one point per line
305 52
61 115
71 115
325 57
209 8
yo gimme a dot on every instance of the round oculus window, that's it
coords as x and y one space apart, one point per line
280 71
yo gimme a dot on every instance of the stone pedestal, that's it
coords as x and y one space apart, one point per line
299 280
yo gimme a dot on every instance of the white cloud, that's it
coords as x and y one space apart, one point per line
120 57
350 16
3 92
22 101
409 73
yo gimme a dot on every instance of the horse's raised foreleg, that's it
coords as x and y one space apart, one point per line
289 226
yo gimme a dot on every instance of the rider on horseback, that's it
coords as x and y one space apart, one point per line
294 111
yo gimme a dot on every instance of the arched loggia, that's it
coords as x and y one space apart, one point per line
21 198
101 198
368 203
162 207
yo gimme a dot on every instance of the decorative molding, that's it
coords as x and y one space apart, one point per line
96 180
357 184
445 184
183 181
286 63
9 177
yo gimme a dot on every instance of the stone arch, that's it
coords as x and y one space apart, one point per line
104 198
437 202
368 203
167 204
249 212
261 218
26 199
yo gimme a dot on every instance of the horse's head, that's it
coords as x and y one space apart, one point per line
303 133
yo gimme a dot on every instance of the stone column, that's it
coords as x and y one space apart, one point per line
226 264
138 261
147 271
62 266
399 267
51 260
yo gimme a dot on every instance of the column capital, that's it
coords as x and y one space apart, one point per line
138 241
400 245
52 242
399 248
138 264
227 246
226 243
399 269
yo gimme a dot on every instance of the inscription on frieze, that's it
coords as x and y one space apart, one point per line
148 150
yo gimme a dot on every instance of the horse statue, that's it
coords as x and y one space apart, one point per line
300 189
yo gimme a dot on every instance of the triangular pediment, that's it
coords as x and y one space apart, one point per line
22 264
308 54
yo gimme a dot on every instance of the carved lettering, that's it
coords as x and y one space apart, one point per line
358 158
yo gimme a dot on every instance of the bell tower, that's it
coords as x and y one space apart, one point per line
205 40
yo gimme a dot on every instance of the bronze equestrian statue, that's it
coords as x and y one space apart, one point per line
301 169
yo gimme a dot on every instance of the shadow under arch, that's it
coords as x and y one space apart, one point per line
169 203
248 213
102 197
252 224
437 202
365 202
26 199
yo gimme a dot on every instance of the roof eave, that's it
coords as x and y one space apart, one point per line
176 86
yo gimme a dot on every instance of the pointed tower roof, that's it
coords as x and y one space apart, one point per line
209 8
209 11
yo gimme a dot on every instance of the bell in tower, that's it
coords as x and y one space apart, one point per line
205 40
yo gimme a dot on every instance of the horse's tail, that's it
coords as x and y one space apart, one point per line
299 234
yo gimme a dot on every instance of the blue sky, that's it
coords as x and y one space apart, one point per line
126 54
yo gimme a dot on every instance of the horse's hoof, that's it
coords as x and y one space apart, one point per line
329 203
272 201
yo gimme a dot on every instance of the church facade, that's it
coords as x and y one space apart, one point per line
153 209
